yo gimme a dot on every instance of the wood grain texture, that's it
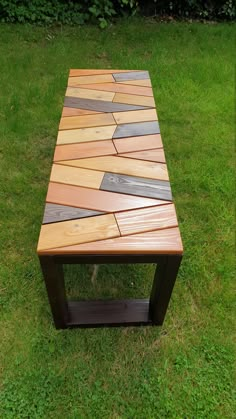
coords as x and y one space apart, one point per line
76 176
89 72
93 199
134 100
86 134
145 82
89 94
83 150
146 219
133 75
144 142
77 111
138 186
86 121
121 88
167 241
80 80
155 155
122 165
135 116
77 231
140 128
99 106
55 213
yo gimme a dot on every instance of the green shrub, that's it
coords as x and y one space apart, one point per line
102 11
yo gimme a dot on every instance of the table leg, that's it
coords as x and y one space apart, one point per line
164 280
54 281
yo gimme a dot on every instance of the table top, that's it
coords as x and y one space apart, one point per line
109 190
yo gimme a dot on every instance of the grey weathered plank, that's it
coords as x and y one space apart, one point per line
100 105
54 213
139 128
133 75
139 186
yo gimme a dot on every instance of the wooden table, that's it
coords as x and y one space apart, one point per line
109 197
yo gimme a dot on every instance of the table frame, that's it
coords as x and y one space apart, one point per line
99 313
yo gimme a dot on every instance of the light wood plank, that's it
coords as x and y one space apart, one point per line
86 134
122 165
134 99
146 219
97 200
89 94
145 82
167 241
144 142
76 176
135 116
86 121
121 88
77 81
156 155
89 72
77 111
77 231
83 150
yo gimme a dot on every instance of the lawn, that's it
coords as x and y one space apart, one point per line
185 368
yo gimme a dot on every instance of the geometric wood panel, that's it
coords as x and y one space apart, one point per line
109 189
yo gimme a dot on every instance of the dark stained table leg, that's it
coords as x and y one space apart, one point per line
54 281
164 280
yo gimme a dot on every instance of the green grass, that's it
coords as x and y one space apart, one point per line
185 368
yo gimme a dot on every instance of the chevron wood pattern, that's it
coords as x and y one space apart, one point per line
109 190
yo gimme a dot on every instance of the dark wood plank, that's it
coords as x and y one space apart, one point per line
100 105
54 213
138 186
133 75
140 128
108 313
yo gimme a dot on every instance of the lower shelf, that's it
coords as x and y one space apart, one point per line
108 313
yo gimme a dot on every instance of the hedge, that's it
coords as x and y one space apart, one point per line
102 11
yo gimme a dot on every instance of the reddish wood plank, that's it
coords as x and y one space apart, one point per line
146 219
120 88
142 142
83 150
167 241
155 155
95 199
76 111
